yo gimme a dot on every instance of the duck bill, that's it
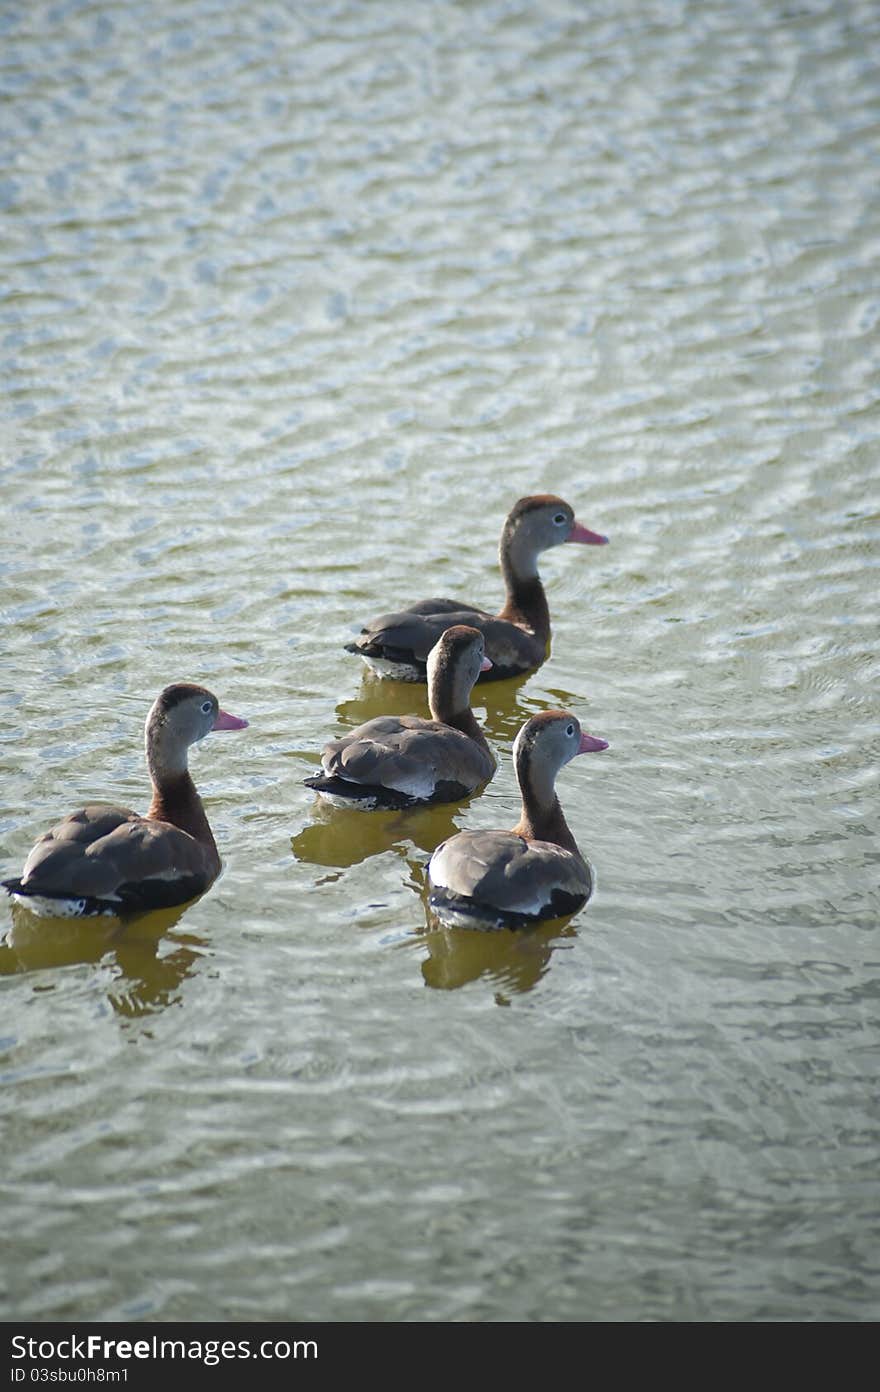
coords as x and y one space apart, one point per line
585 536
591 744
486 664
225 721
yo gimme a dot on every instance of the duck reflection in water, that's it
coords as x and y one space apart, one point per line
144 981
342 837
511 960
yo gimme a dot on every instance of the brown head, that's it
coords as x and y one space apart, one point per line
454 663
544 744
534 525
181 715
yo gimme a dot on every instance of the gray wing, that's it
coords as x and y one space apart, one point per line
412 633
506 872
98 850
408 754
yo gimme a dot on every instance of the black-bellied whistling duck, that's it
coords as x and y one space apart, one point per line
401 761
511 879
107 860
397 645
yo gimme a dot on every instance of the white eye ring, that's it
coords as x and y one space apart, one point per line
570 730
206 707
560 518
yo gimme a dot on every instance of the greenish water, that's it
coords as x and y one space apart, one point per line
296 301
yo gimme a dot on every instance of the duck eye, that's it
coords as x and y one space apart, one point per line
206 708
560 518
570 731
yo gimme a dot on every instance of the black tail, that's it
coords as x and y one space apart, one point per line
369 795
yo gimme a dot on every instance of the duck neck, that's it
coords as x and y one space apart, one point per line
525 602
463 720
546 824
175 799
541 817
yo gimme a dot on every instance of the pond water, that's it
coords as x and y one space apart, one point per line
296 301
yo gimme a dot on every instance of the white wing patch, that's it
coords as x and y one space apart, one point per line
393 671
57 908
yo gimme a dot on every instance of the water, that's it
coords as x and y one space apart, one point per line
297 300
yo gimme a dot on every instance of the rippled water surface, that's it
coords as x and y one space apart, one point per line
297 299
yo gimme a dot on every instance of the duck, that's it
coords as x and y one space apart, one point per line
105 860
535 872
397 645
394 762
